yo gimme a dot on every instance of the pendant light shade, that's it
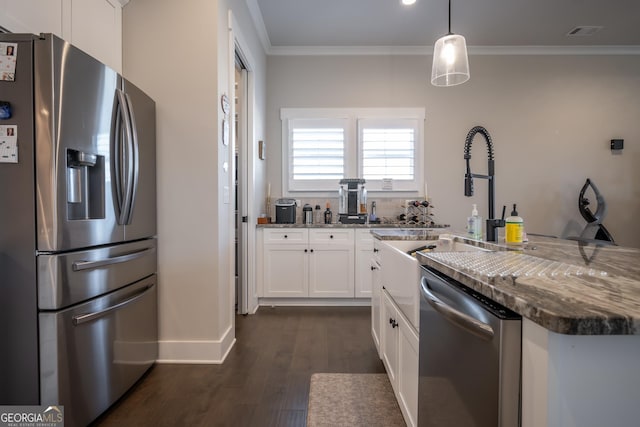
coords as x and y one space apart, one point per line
450 64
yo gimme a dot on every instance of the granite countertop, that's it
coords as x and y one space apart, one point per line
565 286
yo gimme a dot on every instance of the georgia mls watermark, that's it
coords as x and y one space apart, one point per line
32 416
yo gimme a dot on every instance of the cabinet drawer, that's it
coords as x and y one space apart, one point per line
296 235
337 236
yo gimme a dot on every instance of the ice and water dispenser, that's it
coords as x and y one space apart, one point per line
85 185
352 201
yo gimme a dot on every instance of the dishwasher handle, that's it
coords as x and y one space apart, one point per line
474 326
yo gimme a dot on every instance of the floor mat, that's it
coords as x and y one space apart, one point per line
352 400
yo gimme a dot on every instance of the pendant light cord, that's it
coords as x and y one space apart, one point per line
450 17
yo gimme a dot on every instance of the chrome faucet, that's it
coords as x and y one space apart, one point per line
492 223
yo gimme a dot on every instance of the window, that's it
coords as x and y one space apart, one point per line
316 158
387 153
383 146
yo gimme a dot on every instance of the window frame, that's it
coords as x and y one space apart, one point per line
352 118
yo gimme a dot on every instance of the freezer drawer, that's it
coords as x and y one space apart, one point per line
69 278
92 353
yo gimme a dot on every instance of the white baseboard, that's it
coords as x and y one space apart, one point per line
314 302
196 352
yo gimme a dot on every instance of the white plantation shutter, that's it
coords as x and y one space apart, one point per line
388 153
390 149
316 153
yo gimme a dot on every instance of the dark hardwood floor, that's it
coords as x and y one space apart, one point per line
265 378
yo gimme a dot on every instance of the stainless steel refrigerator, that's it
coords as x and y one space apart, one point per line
78 309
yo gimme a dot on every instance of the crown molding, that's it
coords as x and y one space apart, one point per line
554 50
428 50
258 22
349 50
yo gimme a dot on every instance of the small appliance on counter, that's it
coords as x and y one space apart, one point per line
285 211
307 214
352 201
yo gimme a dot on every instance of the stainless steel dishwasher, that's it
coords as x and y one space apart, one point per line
470 350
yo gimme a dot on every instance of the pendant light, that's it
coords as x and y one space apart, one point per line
450 63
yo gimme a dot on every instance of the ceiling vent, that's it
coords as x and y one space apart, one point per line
585 30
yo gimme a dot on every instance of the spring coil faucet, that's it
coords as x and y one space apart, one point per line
492 223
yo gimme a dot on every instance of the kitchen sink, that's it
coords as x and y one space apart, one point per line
445 243
449 243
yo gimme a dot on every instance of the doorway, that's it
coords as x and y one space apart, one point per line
241 185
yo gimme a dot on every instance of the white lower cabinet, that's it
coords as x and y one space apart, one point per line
363 247
399 347
300 263
286 271
331 263
376 286
390 338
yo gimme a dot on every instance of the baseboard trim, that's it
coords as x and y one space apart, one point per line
315 302
212 352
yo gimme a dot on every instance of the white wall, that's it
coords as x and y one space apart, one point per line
551 119
178 53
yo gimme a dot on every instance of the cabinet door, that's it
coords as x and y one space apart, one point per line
331 271
389 338
376 287
364 248
97 29
94 26
407 390
331 263
32 16
286 270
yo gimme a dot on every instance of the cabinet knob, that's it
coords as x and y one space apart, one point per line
311 250
372 268
376 250
285 236
331 236
394 324
305 251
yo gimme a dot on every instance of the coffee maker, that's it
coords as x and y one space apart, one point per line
352 198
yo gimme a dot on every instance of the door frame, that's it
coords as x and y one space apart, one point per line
247 155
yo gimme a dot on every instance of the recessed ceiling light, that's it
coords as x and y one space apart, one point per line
408 2
584 30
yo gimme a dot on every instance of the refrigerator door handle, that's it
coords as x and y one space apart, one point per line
134 166
89 265
466 322
117 153
88 317
122 157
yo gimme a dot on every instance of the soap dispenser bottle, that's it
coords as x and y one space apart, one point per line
514 227
474 224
